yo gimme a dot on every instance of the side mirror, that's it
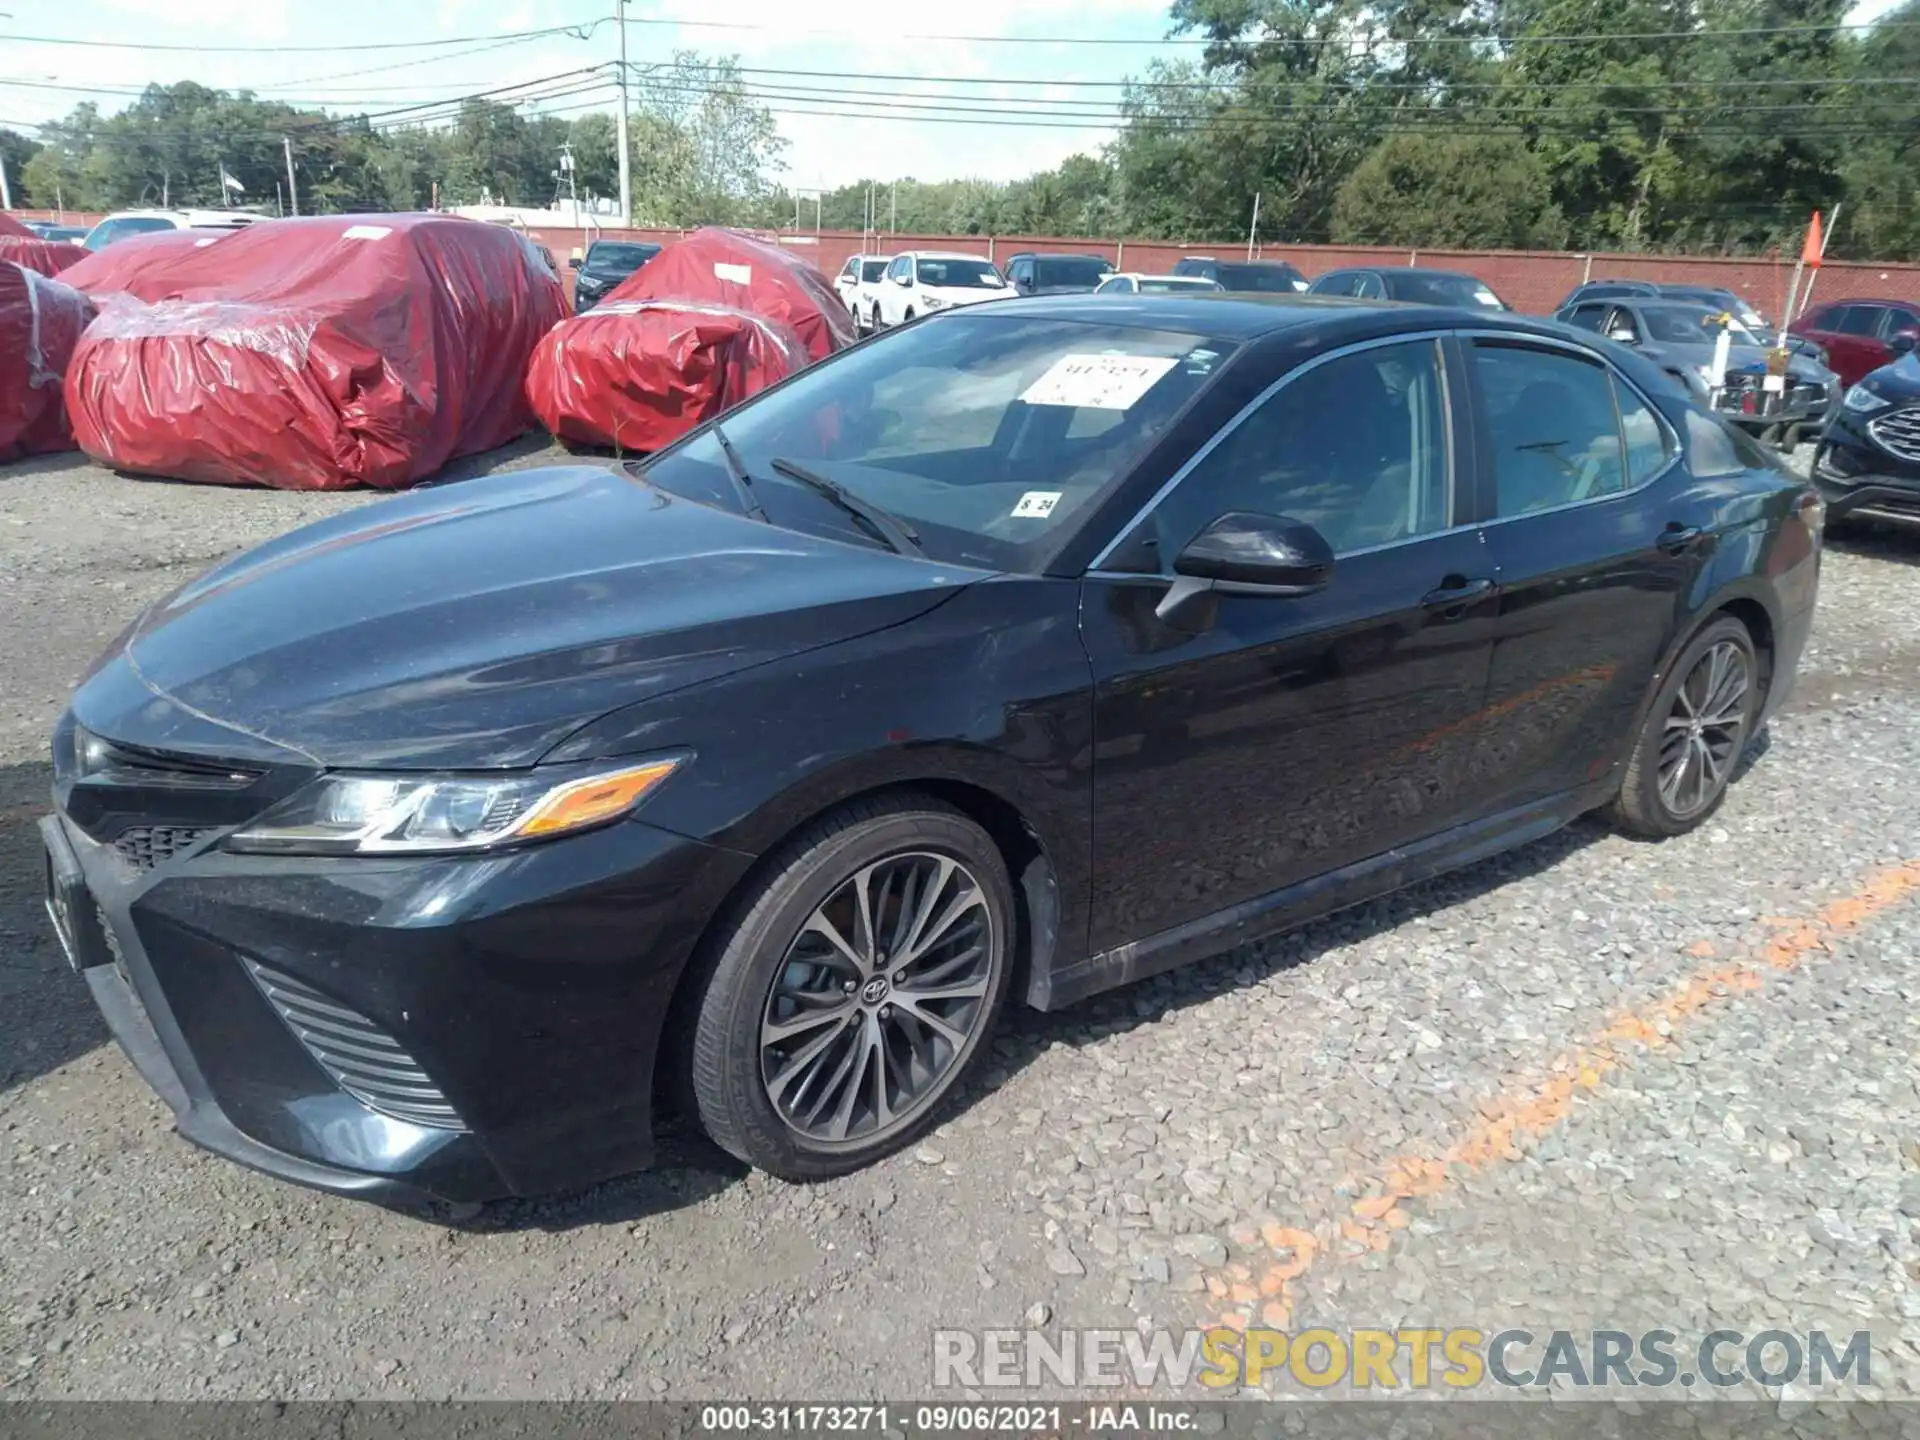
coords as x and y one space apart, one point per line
1244 553
574 262
903 281
1903 341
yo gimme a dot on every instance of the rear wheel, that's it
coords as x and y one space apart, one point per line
1694 733
855 990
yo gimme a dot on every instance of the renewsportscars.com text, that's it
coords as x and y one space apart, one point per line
1374 1360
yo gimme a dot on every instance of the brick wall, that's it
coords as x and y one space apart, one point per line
1527 280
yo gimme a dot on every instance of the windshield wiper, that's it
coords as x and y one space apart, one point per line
888 526
742 482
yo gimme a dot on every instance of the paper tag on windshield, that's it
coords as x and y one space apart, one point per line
366 232
738 274
1036 504
1098 382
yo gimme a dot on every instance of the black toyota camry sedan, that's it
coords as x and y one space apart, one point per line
1020 653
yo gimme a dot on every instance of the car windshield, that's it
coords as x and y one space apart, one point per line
986 436
1269 279
1069 270
960 274
610 257
1461 290
1690 325
872 270
1166 284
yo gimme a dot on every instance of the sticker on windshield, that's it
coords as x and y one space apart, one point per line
1098 382
738 274
1036 504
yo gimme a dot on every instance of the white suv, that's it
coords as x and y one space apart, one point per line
856 283
122 223
921 281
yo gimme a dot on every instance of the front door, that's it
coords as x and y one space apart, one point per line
1596 540
1291 736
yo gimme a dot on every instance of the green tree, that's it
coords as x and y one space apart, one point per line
1468 192
16 153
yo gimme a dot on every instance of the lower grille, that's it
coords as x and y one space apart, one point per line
149 845
1898 433
363 1059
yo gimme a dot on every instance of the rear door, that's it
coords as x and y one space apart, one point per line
1596 538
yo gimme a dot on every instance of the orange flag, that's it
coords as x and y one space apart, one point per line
1810 252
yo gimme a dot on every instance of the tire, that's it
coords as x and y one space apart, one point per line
856 1074
907 319
1669 794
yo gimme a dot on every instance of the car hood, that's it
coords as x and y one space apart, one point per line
478 625
1739 358
1898 382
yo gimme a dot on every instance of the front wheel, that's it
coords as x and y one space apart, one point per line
1694 734
855 990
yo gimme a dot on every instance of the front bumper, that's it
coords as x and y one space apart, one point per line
529 988
1857 475
1801 412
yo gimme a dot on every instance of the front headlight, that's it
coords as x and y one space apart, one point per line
368 814
1864 401
932 302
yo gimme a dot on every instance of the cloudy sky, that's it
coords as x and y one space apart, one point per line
1004 62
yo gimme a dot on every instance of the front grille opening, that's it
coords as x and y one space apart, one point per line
1898 433
361 1058
146 846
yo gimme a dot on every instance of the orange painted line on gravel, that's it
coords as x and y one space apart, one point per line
1264 1290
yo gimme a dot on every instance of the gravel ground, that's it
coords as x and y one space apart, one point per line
1592 1083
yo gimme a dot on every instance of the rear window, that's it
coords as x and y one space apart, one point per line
1265 279
1070 270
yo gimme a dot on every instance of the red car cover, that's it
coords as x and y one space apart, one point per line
11 226
123 267
707 322
317 354
40 323
44 257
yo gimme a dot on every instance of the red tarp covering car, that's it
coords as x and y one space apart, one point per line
43 257
123 266
11 226
317 354
40 323
707 322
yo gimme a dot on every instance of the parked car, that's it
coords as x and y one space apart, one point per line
856 285
605 265
1410 284
1858 335
920 282
1868 463
122 223
1680 337
1035 274
1263 277
47 230
397 888
1134 283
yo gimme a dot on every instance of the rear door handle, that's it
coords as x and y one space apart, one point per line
1676 539
1455 595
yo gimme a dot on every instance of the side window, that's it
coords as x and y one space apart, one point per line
1022 270
1856 320
1589 316
850 269
1648 447
1623 326
1368 287
1555 433
900 269
1355 446
1898 318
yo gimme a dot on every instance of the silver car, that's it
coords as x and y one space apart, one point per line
1680 336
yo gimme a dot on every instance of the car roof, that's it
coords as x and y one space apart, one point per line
939 255
1238 316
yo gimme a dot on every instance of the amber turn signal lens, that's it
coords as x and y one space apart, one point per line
589 802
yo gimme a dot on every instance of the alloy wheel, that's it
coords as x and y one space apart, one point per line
876 1001
1705 730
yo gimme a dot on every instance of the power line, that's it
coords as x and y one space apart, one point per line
583 31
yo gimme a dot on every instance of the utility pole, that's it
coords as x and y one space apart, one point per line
293 189
6 195
1253 230
566 174
620 121
893 210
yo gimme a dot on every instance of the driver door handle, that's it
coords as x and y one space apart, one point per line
1454 595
